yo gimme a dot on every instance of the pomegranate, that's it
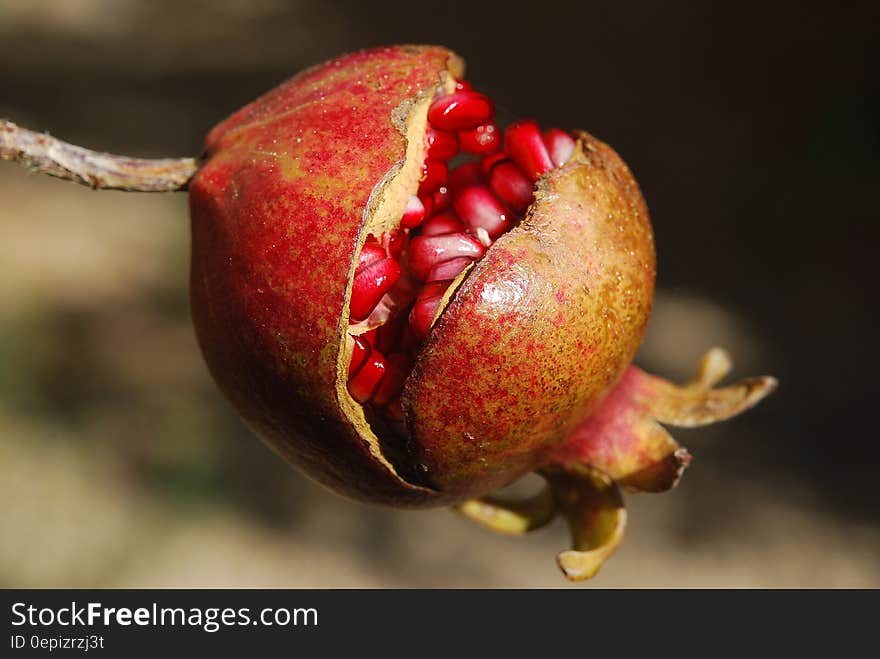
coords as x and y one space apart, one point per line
417 306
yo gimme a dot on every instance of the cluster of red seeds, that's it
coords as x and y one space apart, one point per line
456 215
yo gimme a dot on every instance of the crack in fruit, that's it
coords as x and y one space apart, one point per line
449 224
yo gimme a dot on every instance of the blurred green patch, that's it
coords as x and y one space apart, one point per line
847 135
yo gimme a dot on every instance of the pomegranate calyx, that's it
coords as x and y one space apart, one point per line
621 444
623 438
588 499
593 507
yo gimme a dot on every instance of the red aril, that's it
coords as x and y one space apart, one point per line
481 140
461 110
525 144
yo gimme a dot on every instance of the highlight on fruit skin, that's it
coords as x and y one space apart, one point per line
418 306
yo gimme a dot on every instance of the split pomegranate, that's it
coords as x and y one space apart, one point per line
418 306
442 242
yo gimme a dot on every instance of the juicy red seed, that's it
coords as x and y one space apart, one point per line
442 198
425 308
480 140
370 337
413 214
524 143
359 355
489 162
441 144
461 110
560 145
370 284
449 269
437 201
464 176
511 186
370 253
479 209
364 383
427 200
395 243
408 342
434 174
388 335
462 86
427 251
398 367
441 223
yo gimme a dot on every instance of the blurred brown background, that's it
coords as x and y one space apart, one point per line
754 129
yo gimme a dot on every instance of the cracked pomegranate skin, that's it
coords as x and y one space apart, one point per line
536 335
540 330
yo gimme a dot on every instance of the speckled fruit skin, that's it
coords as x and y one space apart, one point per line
540 331
537 334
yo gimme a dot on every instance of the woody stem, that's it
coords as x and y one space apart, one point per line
46 155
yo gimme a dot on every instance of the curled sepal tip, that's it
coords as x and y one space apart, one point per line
511 517
622 443
593 507
590 502
697 403
623 438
